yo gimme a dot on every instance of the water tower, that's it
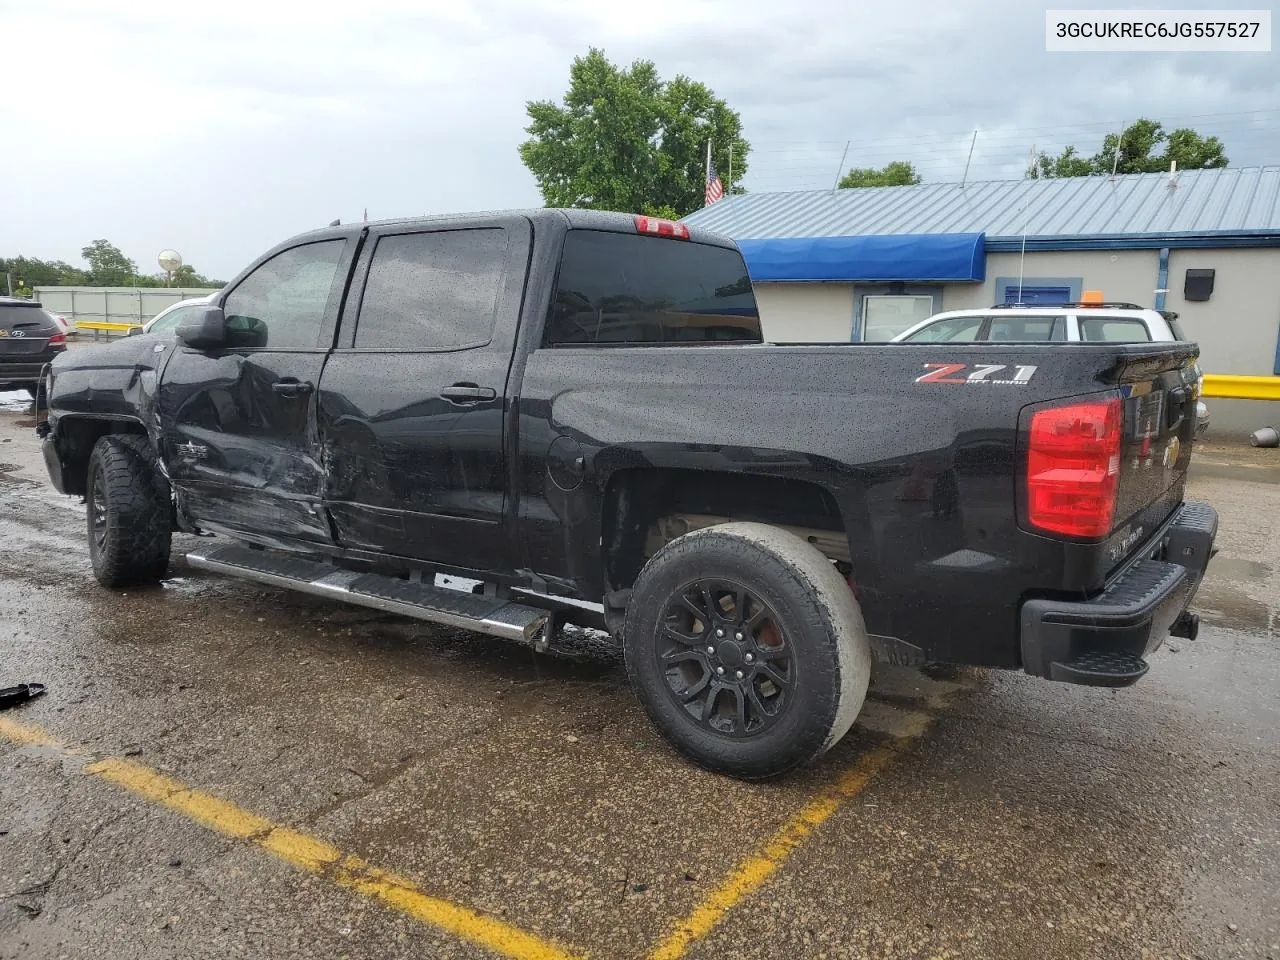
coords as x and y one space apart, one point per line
170 262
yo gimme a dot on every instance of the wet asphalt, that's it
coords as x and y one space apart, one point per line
1025 819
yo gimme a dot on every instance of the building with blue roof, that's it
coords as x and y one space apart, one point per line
866 263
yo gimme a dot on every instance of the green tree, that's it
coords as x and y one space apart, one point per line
108 266
899 173
34 272
1066 164
186 276
624 139
1136 147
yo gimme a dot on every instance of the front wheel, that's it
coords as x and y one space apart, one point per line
128 512
746 648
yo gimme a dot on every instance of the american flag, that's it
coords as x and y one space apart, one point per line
715 189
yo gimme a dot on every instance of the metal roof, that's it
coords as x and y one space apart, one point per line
1218 203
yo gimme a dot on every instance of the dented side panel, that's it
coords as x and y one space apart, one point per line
115 380
239 453
94 389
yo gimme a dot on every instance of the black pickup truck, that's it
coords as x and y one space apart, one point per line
577 411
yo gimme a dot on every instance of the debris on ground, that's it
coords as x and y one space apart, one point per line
12 696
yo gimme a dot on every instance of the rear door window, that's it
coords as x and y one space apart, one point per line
1113 330
430 291
618 288
1016 329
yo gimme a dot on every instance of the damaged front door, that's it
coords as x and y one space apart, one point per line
239 422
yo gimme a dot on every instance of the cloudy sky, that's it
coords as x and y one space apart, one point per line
220 129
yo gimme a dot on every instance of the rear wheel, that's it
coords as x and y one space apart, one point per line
746 648
129 512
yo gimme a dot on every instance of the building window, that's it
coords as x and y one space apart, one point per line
1037 291
885 316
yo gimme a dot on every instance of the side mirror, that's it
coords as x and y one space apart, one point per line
205 328
133 331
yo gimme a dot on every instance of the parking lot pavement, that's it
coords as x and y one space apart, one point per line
223 769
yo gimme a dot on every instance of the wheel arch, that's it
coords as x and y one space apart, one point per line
645 507
74 439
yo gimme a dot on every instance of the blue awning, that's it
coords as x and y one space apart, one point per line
937 257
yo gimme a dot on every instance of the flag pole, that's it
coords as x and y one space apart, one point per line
707 179
730 166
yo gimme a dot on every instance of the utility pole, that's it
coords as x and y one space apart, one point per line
839 170
965 178
1022 257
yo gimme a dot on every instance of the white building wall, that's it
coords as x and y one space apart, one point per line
1236 327
805 312
1120 275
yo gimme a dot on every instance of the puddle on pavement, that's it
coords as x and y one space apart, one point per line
1224 605
15 401
1233 568
8 473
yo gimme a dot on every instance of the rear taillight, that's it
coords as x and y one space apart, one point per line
1073 468
58 339
663 228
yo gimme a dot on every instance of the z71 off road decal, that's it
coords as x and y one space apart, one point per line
979 373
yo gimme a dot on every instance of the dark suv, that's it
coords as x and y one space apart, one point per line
29 338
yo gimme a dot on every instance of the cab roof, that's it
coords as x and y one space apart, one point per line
550 217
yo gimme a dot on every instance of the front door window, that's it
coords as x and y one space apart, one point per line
280 306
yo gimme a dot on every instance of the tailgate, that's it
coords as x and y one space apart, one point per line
1158 401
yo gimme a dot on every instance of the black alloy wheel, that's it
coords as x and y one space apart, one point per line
726 659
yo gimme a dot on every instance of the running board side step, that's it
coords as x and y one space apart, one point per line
451 608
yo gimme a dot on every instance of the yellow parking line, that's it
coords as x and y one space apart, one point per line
303 851
751 873
27 736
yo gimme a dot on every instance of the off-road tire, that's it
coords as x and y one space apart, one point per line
813 607
129 512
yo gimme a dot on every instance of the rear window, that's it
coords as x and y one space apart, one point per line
1113 330
20 316
618 288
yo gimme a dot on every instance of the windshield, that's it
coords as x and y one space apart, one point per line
167 322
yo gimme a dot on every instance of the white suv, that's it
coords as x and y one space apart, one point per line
1060 323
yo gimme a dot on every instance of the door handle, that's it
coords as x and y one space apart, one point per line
468 393
290 387
1179 399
